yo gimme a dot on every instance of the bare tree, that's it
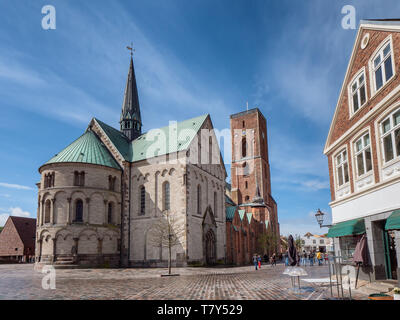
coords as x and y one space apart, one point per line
268 242
167 232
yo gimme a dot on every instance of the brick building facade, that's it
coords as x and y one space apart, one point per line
254 213
363 150
17 240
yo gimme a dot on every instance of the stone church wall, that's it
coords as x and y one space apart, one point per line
92 242
153 177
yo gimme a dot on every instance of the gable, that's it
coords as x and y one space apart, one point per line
208 217
343 120
10 239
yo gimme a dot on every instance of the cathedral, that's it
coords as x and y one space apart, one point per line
111 196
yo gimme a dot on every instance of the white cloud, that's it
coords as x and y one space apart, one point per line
14 186
13 211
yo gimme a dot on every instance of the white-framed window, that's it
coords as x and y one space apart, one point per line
390 136
342 168
363 156
358 92
382 65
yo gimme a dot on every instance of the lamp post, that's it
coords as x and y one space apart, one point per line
320 219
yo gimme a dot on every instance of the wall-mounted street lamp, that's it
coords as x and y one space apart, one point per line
320 219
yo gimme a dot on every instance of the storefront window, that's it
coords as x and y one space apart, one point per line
348 246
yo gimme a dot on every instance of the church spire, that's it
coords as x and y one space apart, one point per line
131 121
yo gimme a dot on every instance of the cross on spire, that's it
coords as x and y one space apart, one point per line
131 49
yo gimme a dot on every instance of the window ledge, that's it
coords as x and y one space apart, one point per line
353 114
374 93
390 163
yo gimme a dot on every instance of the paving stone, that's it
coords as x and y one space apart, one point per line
238 283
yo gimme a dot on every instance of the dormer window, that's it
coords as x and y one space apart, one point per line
382 66
358 92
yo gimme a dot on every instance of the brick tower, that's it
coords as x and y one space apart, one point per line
250 169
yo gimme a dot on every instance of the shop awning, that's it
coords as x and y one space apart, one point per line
347 228
393 222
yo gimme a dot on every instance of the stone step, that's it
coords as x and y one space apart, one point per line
366 290
64 262
385 287
65 266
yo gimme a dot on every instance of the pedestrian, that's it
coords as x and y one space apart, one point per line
259 261
255 262
286 258
273 259
311 258
304 258
319 258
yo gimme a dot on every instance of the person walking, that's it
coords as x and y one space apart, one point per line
286 258
273 259
255 262
259 261
311 258
304 258
319 258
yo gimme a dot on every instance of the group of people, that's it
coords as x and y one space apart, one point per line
310 258
257 260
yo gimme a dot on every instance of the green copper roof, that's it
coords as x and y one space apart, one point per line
145 146
241 214
229 200
86 149
230 213
119 140
162 141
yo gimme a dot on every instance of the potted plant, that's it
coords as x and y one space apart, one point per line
396 294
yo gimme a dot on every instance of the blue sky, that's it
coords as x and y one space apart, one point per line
288 58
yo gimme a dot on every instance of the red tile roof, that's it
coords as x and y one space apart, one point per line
26 228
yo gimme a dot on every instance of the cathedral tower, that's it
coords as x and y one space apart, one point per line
131 121
250 164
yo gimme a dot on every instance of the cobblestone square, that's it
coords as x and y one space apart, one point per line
21 281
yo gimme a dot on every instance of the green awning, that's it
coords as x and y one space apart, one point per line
347 228
393 222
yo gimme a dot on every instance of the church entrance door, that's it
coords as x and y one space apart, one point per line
210 248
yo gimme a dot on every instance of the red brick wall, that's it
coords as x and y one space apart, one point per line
362 57
343 122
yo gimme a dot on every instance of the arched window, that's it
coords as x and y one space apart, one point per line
199 199
110 213
79 178
47 212
215 203
142 200
247 198
244 147
166 196
79 211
